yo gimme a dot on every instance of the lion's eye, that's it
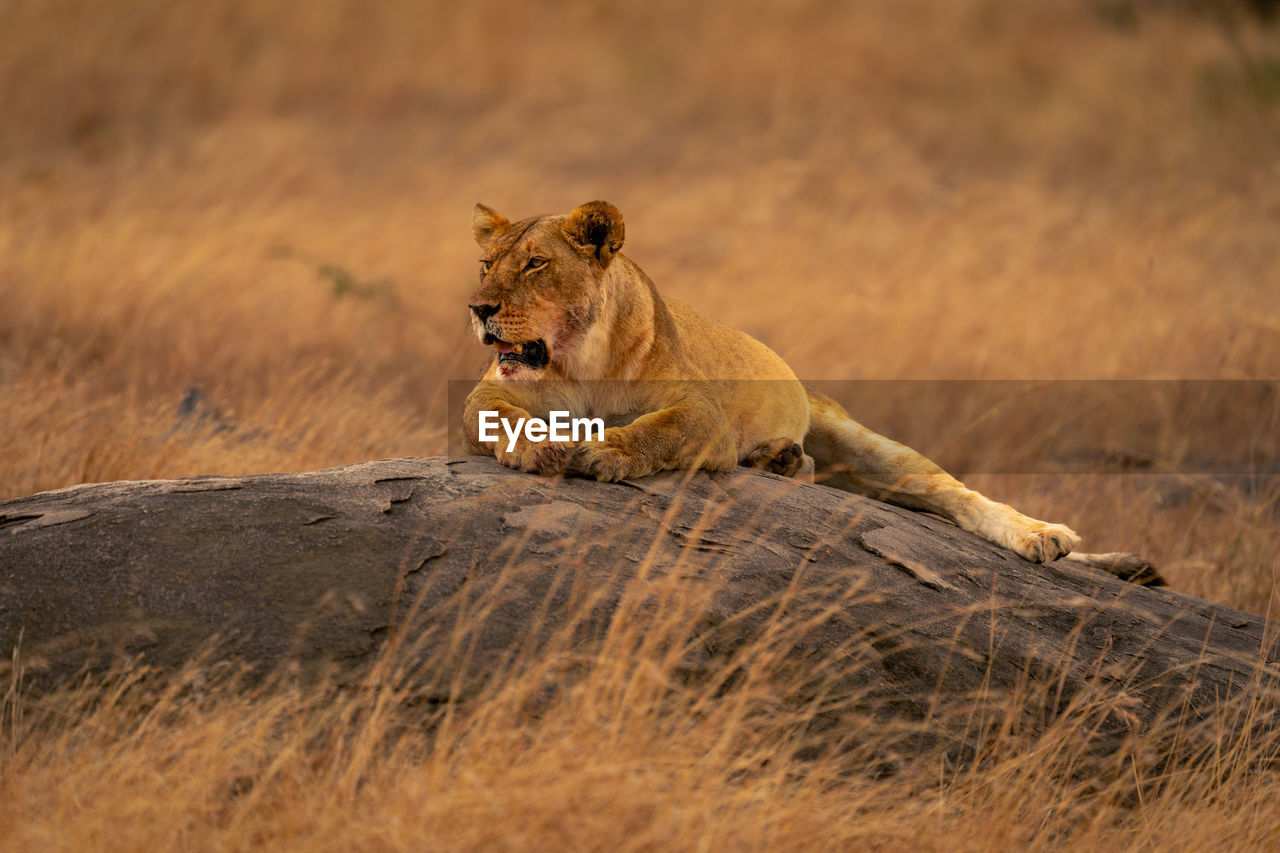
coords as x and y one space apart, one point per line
485 266
536 263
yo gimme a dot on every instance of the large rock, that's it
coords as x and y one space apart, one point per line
898 611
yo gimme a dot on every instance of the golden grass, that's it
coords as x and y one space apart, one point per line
614 746
884 190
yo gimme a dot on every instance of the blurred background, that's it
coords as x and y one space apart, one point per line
235 235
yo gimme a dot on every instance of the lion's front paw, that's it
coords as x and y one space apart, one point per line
601 460
544 457
1042 542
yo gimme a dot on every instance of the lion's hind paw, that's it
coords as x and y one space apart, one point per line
782 456
1046 542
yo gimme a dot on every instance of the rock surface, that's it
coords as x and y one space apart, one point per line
319 569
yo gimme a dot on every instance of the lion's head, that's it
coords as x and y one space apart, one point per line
540 282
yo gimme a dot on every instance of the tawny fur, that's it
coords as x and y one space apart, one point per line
677 389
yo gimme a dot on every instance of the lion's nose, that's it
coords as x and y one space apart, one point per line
484 311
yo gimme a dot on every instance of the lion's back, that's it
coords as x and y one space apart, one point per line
758 390
723 352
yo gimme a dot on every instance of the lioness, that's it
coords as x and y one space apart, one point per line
579 327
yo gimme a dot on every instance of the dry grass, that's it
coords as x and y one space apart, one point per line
889 190
616 747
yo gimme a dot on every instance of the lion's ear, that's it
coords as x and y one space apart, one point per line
487 223
596 227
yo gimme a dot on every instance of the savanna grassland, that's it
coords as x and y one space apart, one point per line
235 238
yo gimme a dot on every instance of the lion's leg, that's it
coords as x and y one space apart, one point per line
687 436
856 459
548 457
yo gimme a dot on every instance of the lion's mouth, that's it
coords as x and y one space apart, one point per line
529 353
